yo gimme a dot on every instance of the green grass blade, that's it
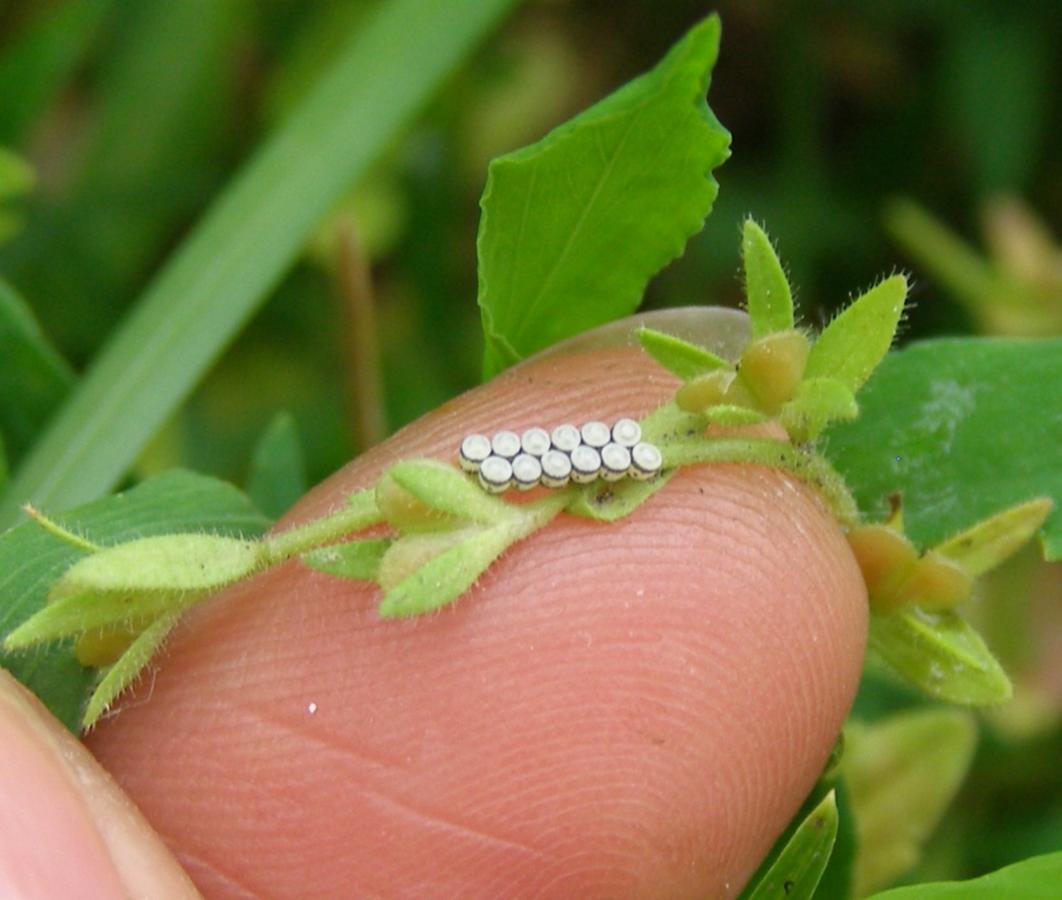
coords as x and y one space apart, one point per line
253 232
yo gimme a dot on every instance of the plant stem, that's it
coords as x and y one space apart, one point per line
359 512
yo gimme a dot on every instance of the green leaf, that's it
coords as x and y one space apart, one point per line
731 416
129 665
34 379
678 356
278 471
963 428
796 872
985 545
853 344
355 559
16 175
447 575
574 226
818 401
768 295
902 773
77 613
247 240
1036 878
31 560
610 501
941 654
448 491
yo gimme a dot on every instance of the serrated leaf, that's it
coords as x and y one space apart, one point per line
940 653
449 492
34 378
447 575
856 341
31 560
818 401
277 476
985 545
902 774
130 664
631 172
795 874
963 428
1035 878
768 295
356 559
161 563
679 357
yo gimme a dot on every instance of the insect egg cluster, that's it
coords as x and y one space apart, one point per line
554 458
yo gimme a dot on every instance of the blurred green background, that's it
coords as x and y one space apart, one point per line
850 121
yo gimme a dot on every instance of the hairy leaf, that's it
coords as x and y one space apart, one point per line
768 295
818 401
963 428
575 225
985 545
355 559
448 491
678 356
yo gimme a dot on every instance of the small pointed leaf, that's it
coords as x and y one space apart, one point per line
358 560
769 297
278 469
445 489
446 576
941 654
818 401
796 872
680 357
129 665
988 543
857 340
609 502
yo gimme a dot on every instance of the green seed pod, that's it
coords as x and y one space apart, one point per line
771 368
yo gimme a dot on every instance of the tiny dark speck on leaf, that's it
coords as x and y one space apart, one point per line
787 886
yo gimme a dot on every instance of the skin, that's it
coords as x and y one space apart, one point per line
633 710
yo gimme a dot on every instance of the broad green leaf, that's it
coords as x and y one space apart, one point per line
985 545
818 402
34 379
678 356
1036 878
278 471
355 559
902 773
795 874
447 575
247 240
853 344
125 671
574 226
31 560
165 562
941 654
448 491
963 428
768 295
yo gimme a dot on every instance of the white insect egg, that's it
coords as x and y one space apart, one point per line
474 449
527 471
615 461
535 441
626 433
496 474
566 438
586 464
595 434
646 461
505 444
556 469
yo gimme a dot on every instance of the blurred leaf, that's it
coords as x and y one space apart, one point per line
34 379
356 559
902 774
227 266
795 874
678 356
1036 878
962 428
16 177
278 472
39 60
31 560
768 295
855 342
940 653
985 545
631 172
